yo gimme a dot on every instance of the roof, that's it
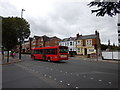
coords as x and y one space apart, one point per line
69 39
55 38
87 36
46 37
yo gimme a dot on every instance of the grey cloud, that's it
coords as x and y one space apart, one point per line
66 20
7 9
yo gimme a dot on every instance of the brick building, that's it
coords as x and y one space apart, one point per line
40 41
88 44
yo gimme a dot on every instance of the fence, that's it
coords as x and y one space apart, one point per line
115 55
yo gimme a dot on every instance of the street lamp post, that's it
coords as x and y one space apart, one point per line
21 36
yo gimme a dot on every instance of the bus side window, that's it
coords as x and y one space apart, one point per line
40 51
56 51
34 52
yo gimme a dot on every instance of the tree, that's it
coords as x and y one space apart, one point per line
9 37
22 29
104 47
14 29
106 7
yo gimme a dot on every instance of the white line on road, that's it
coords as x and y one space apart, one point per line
109 82
91 78
61 81
68 84
99 80
61 71
76 87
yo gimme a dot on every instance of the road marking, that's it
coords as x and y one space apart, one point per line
76 87
109 82
61 81
54 78
68 84
45 75
99 80
61 71
91 78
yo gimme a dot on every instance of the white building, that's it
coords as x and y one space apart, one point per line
119 29
69 42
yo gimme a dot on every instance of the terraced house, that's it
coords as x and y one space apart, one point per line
88 44
70 43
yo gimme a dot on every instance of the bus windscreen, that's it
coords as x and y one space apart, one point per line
63 49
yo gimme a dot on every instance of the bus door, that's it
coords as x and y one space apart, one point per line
44 55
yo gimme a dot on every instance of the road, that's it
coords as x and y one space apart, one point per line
65 74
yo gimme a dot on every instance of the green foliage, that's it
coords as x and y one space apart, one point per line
9 37
104 47
22 27
14 28
104 7
110 47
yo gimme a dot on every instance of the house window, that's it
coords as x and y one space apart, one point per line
119 40
78 42
67 43
70 43
91 50
79 50
88 42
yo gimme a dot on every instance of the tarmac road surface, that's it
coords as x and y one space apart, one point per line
70 73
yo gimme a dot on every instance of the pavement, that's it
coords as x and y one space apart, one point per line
11 60
94 59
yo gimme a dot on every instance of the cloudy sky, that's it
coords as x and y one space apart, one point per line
61 18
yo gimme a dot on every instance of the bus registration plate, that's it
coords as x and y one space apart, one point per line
63 56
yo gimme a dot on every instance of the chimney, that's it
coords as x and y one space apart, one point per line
97 33
77 35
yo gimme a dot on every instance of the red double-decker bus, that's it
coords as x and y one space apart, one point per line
56 53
